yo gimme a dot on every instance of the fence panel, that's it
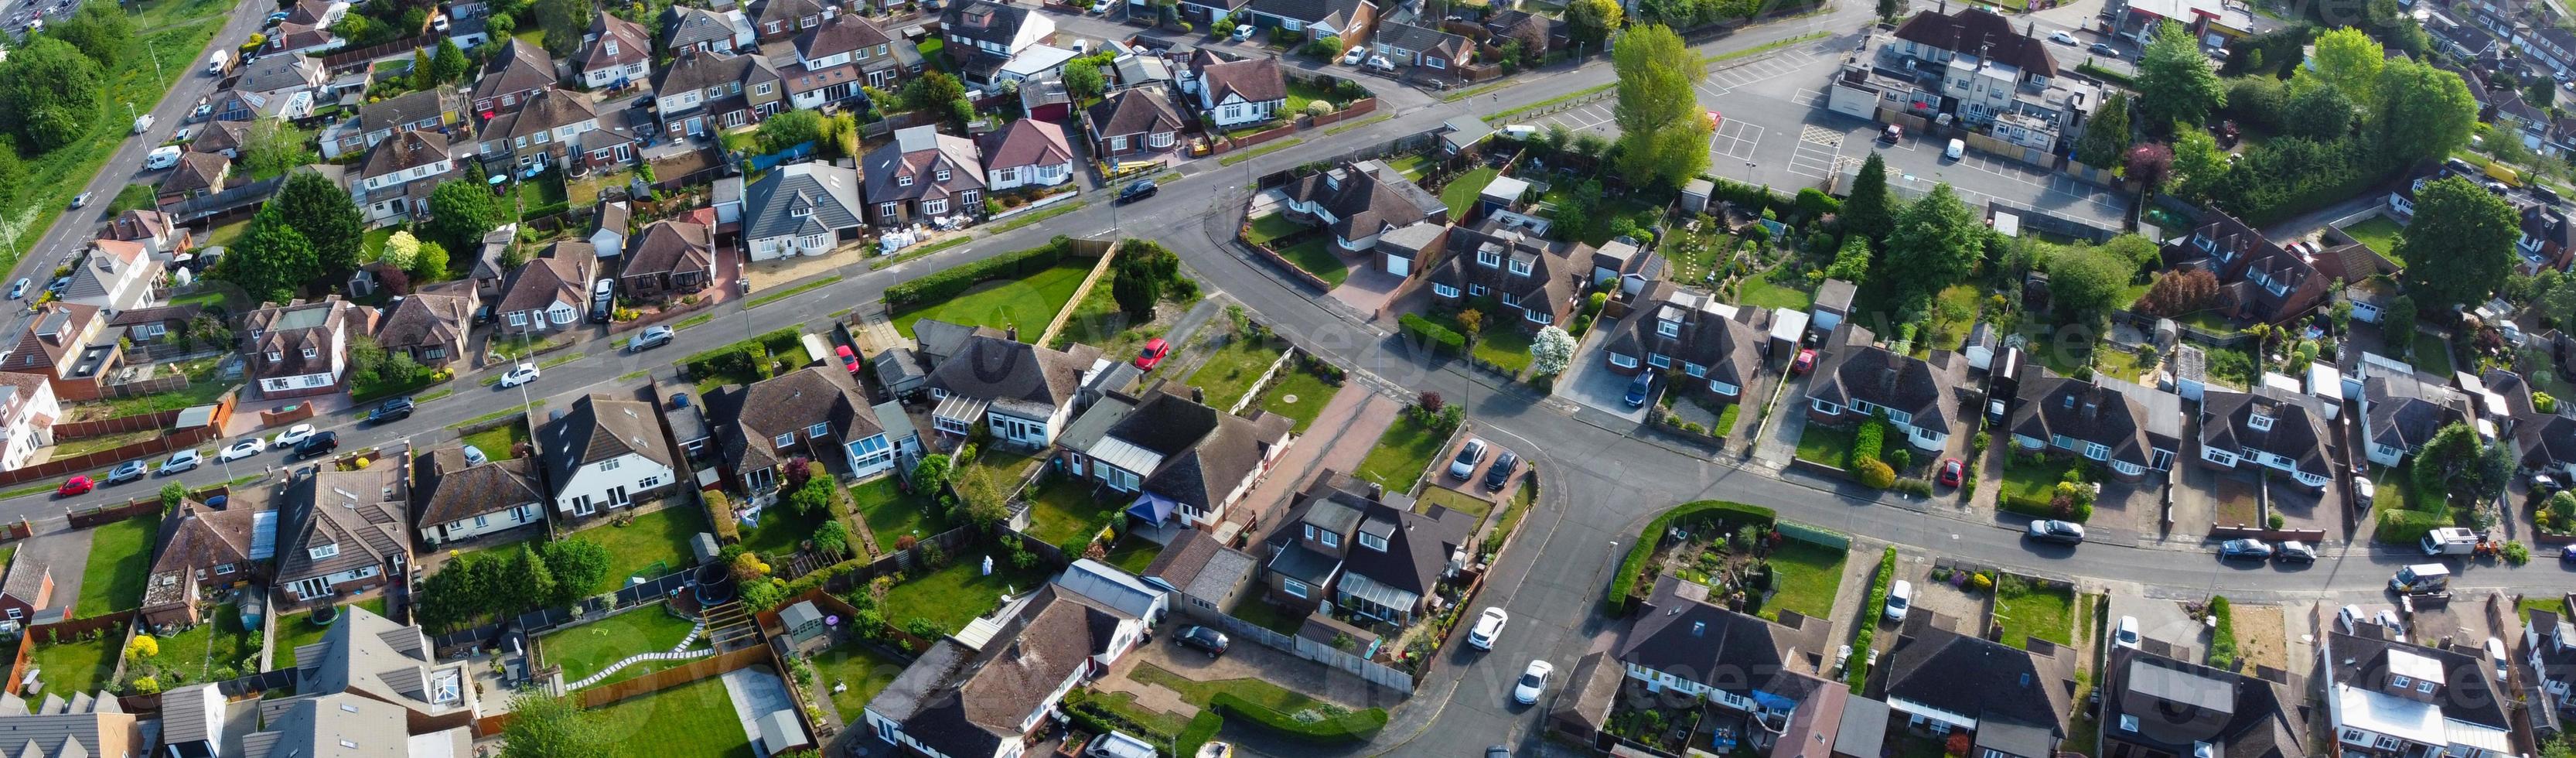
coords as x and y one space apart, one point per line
72 430
1375 673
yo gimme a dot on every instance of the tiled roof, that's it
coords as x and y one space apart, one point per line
1027 142
457 491
1852 368
671 245
1254 79
1975 31
598 428
1136 111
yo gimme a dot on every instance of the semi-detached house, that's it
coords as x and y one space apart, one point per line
1183 462
715 91
1024 394
301 349
2266 428
2130 428
1856 379
347 530
604 455
1685 644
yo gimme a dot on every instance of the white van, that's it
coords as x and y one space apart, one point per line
1957 149
1899 597
2421 578
1119 745
161 158
142 123
1518 131
215 67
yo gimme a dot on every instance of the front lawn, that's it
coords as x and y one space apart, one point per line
2046 613
660 537
1316 257
1271 227
120 558
1302 92
1064 510
1298 395
206 652
2380 233
1401 455
892 515
75 667
1819 443
1258 612
860 671
501 442
952 596
1231 369
1453 500
2036 481
2524 607
1029 303
694 720
297 630
1804 578
1504 346
587 649
1464 189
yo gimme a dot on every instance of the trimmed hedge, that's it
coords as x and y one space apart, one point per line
1351 727
745 358
1200 730
1643 549
2038 508
2222 636
1440 339
1856 668
2399 526
955 281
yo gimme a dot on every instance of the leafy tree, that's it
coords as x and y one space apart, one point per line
542 726
2198 165
786 130
1851 263
13 173
2457 462
401 250
577 564
1589 21
1888 9
2540 93
2463 236
423 74
1869 211
461 212
564 21
172 494
272 147
2257 101
2084 280
49 93
429 263
2150 164
2175 85
2346 59
530 583
1082 78
1938 240
209 331
1136 291
1471 322
2320 112
2180 293
1663 137
815 497
2397 321
271 260
501 25
936 92
101 31
449 66
932 473
323 212
1551 351
2108 136
2425 111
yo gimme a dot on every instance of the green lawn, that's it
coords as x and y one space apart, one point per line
658 537
780 529
1819 443
1503 345
373 244
1298 395
2048 614
693 720
1694 254
1411 165
2120 364
586 649
500 442
1400 457
1302 92
1198 693
1806 576
1029 303
120 557
891 514
1453 500
2431 355
1761 292
1257 612
1316 257
1133 554
862 669
2555 605
1463 190
297 630
219 644
198 393
952 596
1231 369
76 667
2037 480
224 236
2380 233
1064 510
1273 226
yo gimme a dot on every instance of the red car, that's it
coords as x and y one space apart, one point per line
76 486
849 360
1153 354
1805 362
1715 119
1951 469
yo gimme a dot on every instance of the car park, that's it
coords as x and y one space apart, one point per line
1468 456
396 409
522 374
129 471
78 485
1900 596
2247 548
184 460
1207 640
292 435
1153 354
1533 681
1489 625
1501 472
243 449
651 337
318 444
2053 530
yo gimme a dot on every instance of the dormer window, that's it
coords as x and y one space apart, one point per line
903 181
1373 542
1329 538
801 211
1521 268
2400 681
272 355
2259 422
787 439
1668 328
320 552
2425 687
310 352
1489 258
817 430
941 176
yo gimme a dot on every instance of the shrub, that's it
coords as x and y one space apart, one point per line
1856 668
2543 402
1873 473
1867 441
1980 581
2222 636
1437 338
1348 727
1915 487
2517 553
2405 527
1643 550
952 282
720 513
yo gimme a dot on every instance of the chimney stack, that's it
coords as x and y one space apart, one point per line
1012 331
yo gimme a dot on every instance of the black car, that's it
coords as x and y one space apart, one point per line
2052 530
1203 638
396 409
1501 472
319 444
1137 190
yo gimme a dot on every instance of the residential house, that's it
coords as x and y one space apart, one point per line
511 77
1540 278
369 659
1409 45
1360 201
461 501
1855 378
1028 153
608 228
394 182
197 175
1204 576
1685 644
2548 445
1045 99
556 129
2391 697
987 690
89 725
28 411
1364 549
26 586
839 54
204 551
429 325
70 345
2549 648
1348 20
2258 280
801 209
490 274
692 30
2129 428
817 413
983 34
1135 122
1023 394
347 725
1986 69
224 138
614 53
345 531
782 19
429 110
292 37
296 82
2400 411
1179 459
1721 347
2268 427
301 349
234 105
923 175
1538 34
607 454
115 277
2014 699
672 256
1234 93
2548 241
716 91
549 292
1043 61
2155 705
154 230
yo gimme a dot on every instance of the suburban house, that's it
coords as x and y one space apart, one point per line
923 175
1133 122
394 182
1348 20
1360 201
431 109
461 501
604 453
1855 378
1024 394
2548 241
1028 153
88 725
2258 280
714 91
556 129
1364 549
983 34
692 31
429 325
1537 34
2400 411
2550 643
801 209
2155 705
986 690
235 105
345 531
2548 445
1182 461
1542 279
28 411
1204 576
672 256
155 230
781 19
1685 644
197 175
115 277
549 292
2391 697
1719 346
818 413
518 72
68 344
2015 700
27 587
1410 45
307 28
2269 427
301 349
2129 428
204 551
844 50
350 724
295 84
224 138
614 54
1234 93
368 658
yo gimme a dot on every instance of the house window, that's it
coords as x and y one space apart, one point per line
787 439
319 552
2259 422
2400 681
886 210
1160 140
1444 290
817 430
1694 369
1623 361
903 181
940 176
1489 258
1292 587
934 207
1373 542
1477 290
223 569
1668 328
2096 451
968 197
610 464
1658 360
1329 538
1521 268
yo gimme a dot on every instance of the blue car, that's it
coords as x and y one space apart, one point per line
1639 388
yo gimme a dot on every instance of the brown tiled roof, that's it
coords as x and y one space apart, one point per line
45 338
456 491
140 224
221 136
1137 111
1255 80
754 416
520 67
196 171
671 245
1975 32
424 319
545 110
360 512
1027 142
632 43
291 329
562 276
846 32
200 537
597 428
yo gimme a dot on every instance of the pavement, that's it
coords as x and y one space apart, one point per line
755 692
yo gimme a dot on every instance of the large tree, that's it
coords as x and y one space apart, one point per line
1082 78
2347 59
2175 84
49 94
2107 137
271 259
460 212
2321 112
1663 136
2461 243
543 726
272 147
1937 241
449 67
778 133
563 21
1589 21
2460 464
101 31
2425 112
577 564
322 211
2198 165
2085 280
1869 211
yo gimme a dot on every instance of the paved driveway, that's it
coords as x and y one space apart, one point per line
1588 379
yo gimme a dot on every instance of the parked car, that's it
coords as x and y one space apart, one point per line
1153 354
1206 640
1380 63
2294 551
1891 134
1639 389
2363 491
243 449
1468 456
1533 680
77 485
184 460
1900 596
523 374
2567 553
2061 37
603 298
1489 625
1805 362
1715 119
275 18
2053 530
651 337
2126 634
1501 472
1353 57
1952 472
474 455
1958 148
1242 32
292 435
319 444
19 290
396 409
1137 190
2248 548
2105 50
129 471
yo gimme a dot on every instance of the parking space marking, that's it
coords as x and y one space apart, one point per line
1735 140
1806 98
1821 136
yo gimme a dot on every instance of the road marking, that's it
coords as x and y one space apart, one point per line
1806 98
1735 140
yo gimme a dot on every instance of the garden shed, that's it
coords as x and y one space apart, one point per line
803 621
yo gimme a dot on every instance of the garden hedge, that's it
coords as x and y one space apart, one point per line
2398 526
2222 636
1433 335
1349 727
1856 668
745 357
1643 549
955 281
1200 730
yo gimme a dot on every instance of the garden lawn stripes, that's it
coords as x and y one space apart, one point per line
1029 303
1805 577
1463 190
658 537
587 649
694 720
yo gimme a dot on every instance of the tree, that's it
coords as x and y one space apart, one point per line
173 494
49 93
2108 136
2175 85
2346 59
542 726
1663 137
2397 321
2149 164
2257 101
529 584
783 131
323 212
272 147
1471 322
813 498
1551 351
209 331
2425 112
1136 291
2456 461
1851 263
271 260
401 250
429 263
101 30
932 472
1589 22
2321 112
449 66
1938 240
564 21
1082 78
2180 293
1887 9
577 564
934 92
2540 92
424 76
2470 233
366 360
2084 280
1869 211
461 212
501 25
13 173
2198 165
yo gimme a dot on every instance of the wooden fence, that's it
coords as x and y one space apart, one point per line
69 628
678 675
170 382
1098 270
350 60
184 438
72 430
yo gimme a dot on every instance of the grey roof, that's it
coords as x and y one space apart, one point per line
1835 295
897 368
1094 423
75 728
1335 12
1853 368
189 714
919 153
1864 726
1418 544
2298 432
1367 198
2178 704
342 725
1683 634
370 655
600 427
1203 453
687 27
1421 39
403 110
281 72
830 193
940 339
2403 410
2095 412
2467 693
984 21
967 701
751 418
521 66
1198 566
1728 348
1110 587
361 512
1002 370
1142 110
1994 683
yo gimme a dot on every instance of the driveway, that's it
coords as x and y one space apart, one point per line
1589 381
1339 439
2162 621
67 554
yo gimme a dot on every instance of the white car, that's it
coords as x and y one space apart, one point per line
1957 149
523 374
2061 38
1242 32
1488 626
1899 597
2126 635
243 449
292 435
1533 680
184 460
1353 57
1380 63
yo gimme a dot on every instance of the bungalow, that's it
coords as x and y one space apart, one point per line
614 53
369 660
716 91
2392 697
1234 93
429 325
1365 549
1133 123
2400 411
2013 699
1686 644
204 551
818 413
1542 279
346 530
1182 460
1410 45
2155 705
301 349
461 501
1027 153
986 691
1719 346
1854 378
1360 201
801 209
297 82
2129 427
671 256
197 175
1023 394
2269 427
604 453
549 292
1348 20
1538 35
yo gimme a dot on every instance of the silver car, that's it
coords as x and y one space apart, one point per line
1470 455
